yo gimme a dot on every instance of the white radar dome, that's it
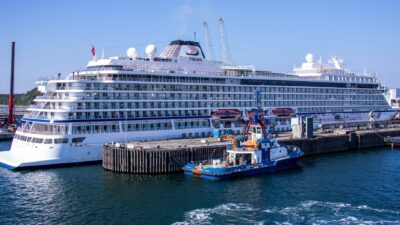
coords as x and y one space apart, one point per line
151 51
132 53
309 58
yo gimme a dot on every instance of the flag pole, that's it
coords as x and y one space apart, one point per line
93 53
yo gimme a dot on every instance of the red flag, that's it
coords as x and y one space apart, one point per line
93 51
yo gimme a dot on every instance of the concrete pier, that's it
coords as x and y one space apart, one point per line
160 156
329 143
171 156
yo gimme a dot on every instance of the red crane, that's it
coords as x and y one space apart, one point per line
10 119
256 117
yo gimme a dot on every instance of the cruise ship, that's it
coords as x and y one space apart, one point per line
173 95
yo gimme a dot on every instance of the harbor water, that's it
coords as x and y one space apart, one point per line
346 188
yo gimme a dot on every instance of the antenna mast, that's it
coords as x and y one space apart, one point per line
207 41
225 51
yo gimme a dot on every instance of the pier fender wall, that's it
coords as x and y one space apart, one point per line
320 145
376 139
338 143
125 160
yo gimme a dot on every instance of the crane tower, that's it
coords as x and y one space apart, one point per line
207 41
225 51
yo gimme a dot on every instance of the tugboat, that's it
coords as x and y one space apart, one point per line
255 152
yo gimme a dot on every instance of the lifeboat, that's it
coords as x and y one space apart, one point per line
250 144
226 114
283 111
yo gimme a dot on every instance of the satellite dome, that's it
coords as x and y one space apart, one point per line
132 53
151 51
309 58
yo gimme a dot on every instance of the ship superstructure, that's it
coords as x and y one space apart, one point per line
173 95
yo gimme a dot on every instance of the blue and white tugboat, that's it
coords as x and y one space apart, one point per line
256 152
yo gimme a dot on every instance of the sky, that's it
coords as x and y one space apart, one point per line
56 36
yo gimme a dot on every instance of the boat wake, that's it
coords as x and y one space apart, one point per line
307 212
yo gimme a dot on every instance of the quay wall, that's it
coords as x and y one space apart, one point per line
153 161
320 145
339 143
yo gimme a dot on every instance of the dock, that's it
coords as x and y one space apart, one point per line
342 141
170 156
393 141
160 156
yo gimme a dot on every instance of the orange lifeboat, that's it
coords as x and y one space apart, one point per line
196 172
250 145
283 111
226 114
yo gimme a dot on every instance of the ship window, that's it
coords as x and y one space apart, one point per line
60 140
78 139
48 141
37 140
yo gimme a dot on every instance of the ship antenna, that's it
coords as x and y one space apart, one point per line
102 54
194 33
225 51
207 41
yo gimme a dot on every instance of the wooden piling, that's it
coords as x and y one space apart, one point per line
150 160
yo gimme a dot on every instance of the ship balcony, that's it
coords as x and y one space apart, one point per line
145 98
122 115
112 76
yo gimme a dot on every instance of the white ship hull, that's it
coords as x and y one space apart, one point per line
29 155
326 119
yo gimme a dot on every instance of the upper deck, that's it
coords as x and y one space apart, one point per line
186 58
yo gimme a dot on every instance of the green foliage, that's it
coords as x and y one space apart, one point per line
20 99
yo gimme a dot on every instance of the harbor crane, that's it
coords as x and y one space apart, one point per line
223 39
208 43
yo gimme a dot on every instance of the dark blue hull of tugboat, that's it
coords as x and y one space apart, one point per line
243 171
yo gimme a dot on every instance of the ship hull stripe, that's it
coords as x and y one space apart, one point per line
114 119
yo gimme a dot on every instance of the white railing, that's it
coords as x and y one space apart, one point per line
215 74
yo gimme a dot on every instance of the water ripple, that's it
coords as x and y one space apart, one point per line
306 212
